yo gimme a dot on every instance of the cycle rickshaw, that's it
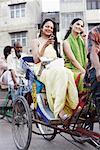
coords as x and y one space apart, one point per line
8 99
80 126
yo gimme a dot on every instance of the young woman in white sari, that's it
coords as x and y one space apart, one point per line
61 91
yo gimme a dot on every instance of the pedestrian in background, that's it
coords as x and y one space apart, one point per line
3 67
3 63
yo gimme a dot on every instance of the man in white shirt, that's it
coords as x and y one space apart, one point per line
13 63
16 75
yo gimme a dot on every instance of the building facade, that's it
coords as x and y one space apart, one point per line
88 10
19 21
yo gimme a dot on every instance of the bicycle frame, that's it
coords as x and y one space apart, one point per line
5 104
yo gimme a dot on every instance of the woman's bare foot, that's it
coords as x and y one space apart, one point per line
63 115
78 111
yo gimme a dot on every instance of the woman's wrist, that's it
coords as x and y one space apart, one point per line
82 70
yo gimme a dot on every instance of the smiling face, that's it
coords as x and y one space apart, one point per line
48 28
78 26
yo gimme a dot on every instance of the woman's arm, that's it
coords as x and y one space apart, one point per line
50 40
35 48
14 78
67 50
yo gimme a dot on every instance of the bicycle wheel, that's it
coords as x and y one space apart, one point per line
21 124
86 124
47 132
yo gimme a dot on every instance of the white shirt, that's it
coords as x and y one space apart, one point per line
14 63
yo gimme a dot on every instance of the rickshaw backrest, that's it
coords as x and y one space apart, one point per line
28 59
30 75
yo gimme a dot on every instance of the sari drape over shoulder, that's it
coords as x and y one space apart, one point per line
78 48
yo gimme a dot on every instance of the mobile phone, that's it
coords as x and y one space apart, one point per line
81 32
52 36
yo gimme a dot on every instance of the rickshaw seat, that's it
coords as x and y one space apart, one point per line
42 109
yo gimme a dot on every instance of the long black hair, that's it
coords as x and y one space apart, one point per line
54 33
70 28
7 51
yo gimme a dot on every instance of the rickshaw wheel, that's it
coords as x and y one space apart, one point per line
51 132
21 124
88 125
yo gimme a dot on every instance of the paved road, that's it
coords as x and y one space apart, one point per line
38 142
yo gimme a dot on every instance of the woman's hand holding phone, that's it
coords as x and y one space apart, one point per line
83 35
50 40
